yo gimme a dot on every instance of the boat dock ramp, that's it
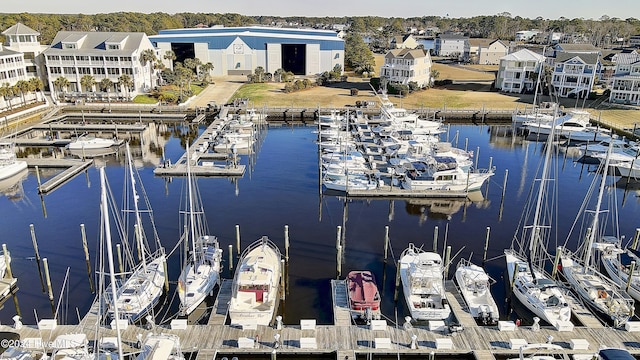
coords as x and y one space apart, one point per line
343 338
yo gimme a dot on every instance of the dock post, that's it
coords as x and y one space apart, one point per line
86 256
466 144
120 264
556 260
45 262
38 177
7 261
504 183
435 238
515 273
395 292
34 241
477 155
338 236
447 258
490 162
238 239
166 275
629 278
339 261
386 242
486 244
230 257
634 246
282 280
286 242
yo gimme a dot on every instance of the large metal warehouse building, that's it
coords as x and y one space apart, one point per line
239 50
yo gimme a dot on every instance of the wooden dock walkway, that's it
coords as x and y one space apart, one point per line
341 308
458 306
73 168
80 128
221 306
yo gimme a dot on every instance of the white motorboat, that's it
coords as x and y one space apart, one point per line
9 164
601 294
161 347
200 273
140 291
474 284
443 174
345 182
421 273
90 142
574 126
529 283
256 284
622 148
628 169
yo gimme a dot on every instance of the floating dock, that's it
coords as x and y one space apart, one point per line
72 168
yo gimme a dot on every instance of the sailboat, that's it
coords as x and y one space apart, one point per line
600 293
141 290
529 282
200 273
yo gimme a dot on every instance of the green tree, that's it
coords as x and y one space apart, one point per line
36 86
6 91
259 74
148 57
87 82
171 56
22 87
206 69
62 84
357 54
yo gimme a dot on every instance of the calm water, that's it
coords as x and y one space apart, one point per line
281 188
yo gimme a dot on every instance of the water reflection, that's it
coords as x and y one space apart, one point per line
444 208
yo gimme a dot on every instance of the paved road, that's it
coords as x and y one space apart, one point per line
220 92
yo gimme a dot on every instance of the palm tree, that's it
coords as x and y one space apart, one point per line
62 83
206 68
22 86
6 91
36 85
105 85
87 82
193 65
125 82
171 56
148 57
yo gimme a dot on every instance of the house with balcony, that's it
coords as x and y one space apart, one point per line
99 55
625 87
518 71
12 70
403 66
574 73
452 46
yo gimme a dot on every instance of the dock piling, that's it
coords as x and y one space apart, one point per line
339 261
636 236
386 242
7 261
238 239
38 177
556 260
34 241
435 238
486 244
45 262
286 242
338 236
86 256
447 258
166 275
230 257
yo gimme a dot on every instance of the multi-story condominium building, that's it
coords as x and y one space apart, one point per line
452 45
12 70
518 71
406 65
491 54
574 73
24 39
625 88
99 55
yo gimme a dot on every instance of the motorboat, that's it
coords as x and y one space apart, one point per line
9 164
364 297
90 142
201 271
628 150
421 273
346 181
443 174
71 347
161 347
474 284
256 284
574 126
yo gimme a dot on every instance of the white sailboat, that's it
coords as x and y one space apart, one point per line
529 282
256 284
421 273
600 293
474 284
142 289
201 272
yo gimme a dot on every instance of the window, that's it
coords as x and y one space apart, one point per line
82 58
66 58
113 47
113 71
125 58
96 58
98 71
127 71
69 70
55 70
53 57
69 46
84 70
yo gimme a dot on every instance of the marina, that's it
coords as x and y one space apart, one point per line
315 324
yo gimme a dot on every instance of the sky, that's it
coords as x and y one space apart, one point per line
548 9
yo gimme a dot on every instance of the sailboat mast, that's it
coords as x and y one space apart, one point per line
596 215
535 93
136 212
191 215
107 231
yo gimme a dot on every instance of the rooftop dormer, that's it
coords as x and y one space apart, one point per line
116 42
73 41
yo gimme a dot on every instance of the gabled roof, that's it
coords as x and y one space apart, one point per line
399 39
94 42
452 37
587 58
577 48
499 41
479 42
407 53
20 29
523 55
627 58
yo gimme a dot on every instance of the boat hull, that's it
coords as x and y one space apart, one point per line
9 170
473 282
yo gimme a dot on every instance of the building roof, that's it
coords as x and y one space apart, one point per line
20 29
587 58
523 55
90 42
6 52
447 36
627 58
577 48
407 53
479 42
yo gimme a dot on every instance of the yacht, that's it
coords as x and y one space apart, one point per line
421 273
9 164
90 142
443 173
256 284
574 126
